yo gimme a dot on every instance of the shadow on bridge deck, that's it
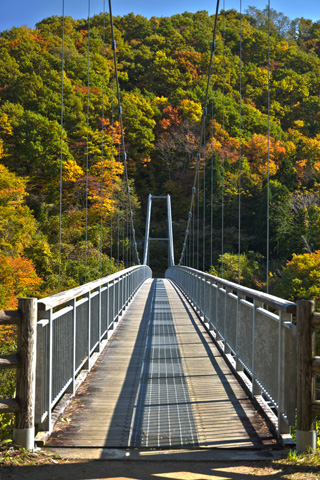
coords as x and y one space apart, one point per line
161 383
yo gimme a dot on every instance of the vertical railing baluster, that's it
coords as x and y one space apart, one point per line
100 318
50 370
280 366
89 329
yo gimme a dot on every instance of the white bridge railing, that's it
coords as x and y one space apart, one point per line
72 329
256 333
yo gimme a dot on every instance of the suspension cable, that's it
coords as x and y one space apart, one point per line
203 123
240 148
61 146
122 133
102 134
119 205
204 205
87 155
211 182
268 168
112 168
223 141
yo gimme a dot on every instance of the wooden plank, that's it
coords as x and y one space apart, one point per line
316 407
316 365
305 376
10 317
315 319
9 405
9 361
26 371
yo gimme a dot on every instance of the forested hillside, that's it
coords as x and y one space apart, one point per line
163 67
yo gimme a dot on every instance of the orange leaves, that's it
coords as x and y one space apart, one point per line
188 61
171 118
84 90
18 278
256 150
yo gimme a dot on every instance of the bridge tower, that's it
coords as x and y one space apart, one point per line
169 239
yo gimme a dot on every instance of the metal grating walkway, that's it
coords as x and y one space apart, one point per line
163 408
161 383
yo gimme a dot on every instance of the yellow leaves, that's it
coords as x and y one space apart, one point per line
12 188
298 124
5 130
111 169
161 102
191 110
71 171
5 125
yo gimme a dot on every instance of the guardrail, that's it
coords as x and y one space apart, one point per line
54 352
256 333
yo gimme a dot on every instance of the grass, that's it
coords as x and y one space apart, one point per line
14 457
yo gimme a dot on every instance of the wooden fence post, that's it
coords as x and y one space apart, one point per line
26 373
306 430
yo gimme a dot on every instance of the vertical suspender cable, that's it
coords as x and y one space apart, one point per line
198 214
204 201
102 133
123 221
193 235
87 155
240 148
112 169
61 147
268 172
127 224
211 189
119 207
223 140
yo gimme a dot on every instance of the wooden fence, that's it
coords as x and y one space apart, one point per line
25 363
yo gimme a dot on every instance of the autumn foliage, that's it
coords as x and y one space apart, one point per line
163 65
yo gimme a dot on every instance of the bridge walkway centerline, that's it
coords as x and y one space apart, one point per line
161 383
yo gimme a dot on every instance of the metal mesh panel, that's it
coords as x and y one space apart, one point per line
266 352
42 372
94 324
104 311
82 334
245 333
62 331
231 321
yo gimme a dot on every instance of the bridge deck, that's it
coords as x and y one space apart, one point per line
161 383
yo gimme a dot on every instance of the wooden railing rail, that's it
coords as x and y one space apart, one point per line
308 367
24 361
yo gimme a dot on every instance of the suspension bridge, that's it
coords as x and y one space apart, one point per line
190 360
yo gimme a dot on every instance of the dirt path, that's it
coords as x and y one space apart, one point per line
151 470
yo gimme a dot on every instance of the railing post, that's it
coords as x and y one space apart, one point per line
306 431
26 373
